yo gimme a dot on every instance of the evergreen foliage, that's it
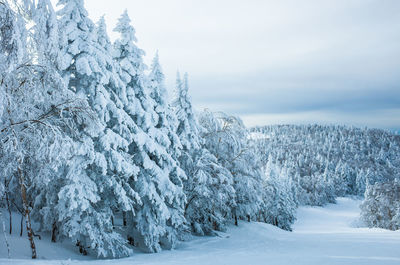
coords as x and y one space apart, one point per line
381 206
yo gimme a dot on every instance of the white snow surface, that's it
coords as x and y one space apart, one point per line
322 235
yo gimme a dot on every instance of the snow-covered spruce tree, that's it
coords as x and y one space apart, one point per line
13 39
88 68
167 120
46 35
157 219
381 205
208 188
188 128
279 204
227 138
165 132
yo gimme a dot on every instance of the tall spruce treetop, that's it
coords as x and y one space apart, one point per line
158 92
166 120
46 31
76 29
130 58
12 38
188 130
159 217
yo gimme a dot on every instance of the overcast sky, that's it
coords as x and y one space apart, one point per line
318 61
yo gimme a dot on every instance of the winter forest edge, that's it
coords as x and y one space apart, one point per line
93 152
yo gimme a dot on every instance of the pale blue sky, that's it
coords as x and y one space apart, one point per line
319 61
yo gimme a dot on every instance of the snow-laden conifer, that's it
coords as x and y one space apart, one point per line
227 138
156 220
88 68
208 188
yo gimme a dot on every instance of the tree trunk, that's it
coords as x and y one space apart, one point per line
27 216
54 232
124 218
236 220
9 209
22 225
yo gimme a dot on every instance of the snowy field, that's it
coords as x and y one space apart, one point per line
325 236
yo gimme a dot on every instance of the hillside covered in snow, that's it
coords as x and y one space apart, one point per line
328 235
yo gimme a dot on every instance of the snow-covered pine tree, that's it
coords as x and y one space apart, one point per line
167 120
156 221
381 205
119 132
13 38
208 188
46 36
227 138
88 68
279 204
188 129
165 135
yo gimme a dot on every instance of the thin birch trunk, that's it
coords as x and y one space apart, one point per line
27 216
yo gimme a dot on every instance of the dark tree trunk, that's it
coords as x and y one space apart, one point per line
236 220
131 241
124 218
54 231
82 249
9 208
22 225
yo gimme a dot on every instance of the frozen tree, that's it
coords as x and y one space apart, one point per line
88 68
38 134
13 38
209 191
157 219
166 121
381 205
279 204
227 138
188 130
46 35
165 132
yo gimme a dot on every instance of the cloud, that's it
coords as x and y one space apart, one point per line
285 58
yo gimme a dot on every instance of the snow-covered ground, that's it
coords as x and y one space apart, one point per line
321 236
